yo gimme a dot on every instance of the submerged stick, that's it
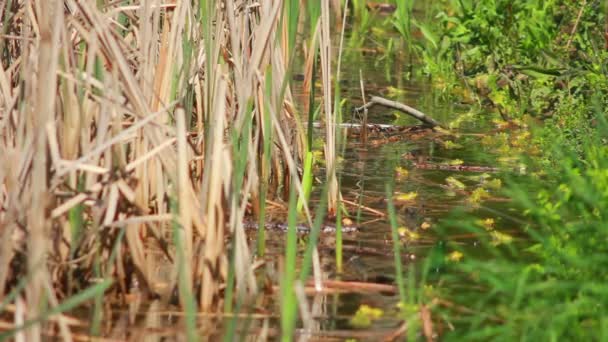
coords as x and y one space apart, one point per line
376 100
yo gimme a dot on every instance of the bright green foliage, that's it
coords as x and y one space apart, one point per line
402 19
524 59
486 24
521 57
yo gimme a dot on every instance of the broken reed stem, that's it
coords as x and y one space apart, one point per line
364 125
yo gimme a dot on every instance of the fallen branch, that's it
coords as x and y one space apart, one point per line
375 100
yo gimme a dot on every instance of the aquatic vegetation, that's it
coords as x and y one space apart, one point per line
406 197
401 173
365 315
455 183
455 256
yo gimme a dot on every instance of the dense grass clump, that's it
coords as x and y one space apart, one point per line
135 137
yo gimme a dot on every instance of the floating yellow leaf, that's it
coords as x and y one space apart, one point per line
425 225
364 316
408 309
494 184
455 183
407 197
478 195
488 223
450 145
392 91
401 172
455 162
455 256
499 238
406 233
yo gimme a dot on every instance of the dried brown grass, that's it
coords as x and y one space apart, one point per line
110 113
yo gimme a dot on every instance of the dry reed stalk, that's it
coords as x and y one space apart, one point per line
183 185
49 15
309 66
213 188
9 197
254 54
88 144
307 318
330 117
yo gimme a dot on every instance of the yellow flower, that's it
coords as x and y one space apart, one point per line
365 315
406 233
407 197
494 184
487 224
478 195
455 256
499 238
455 162
455 183
401 172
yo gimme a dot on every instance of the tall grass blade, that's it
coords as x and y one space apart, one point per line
396 244
184 277
289 303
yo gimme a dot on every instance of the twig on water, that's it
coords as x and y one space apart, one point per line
368 209
375 100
